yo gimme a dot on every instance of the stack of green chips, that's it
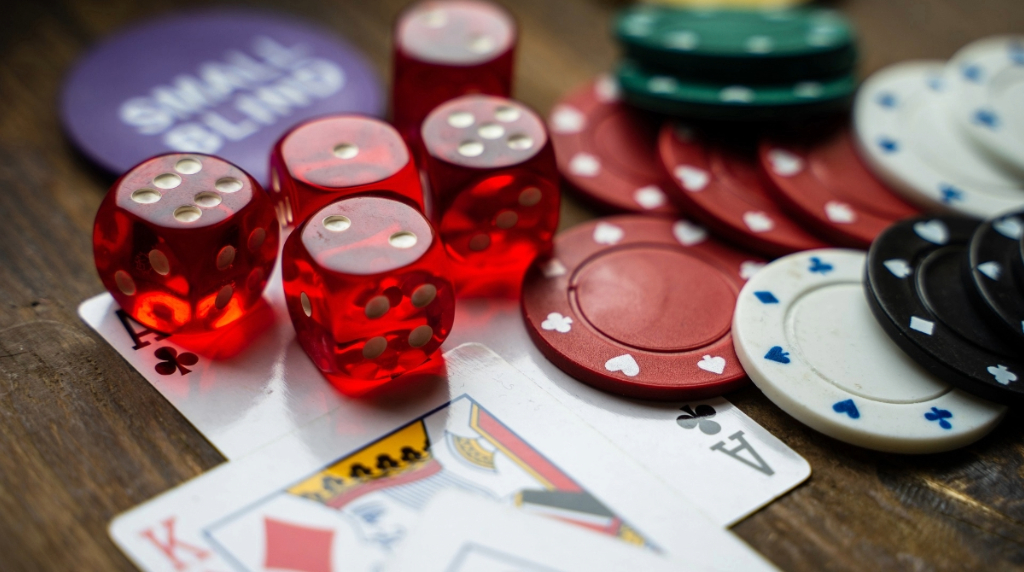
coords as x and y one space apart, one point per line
737 65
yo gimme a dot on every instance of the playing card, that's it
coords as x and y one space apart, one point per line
709 451
461 532
491 432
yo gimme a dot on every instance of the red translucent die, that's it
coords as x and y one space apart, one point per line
367 287
323 160
445 49
495 183
185 242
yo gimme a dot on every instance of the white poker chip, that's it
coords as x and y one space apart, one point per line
905 133
987 84
807 338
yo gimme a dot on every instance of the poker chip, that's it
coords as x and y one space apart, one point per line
639 306
820 180
997 269
760 46
723 187
986 82
917 291
663 93
608 151
746 4
225 82
907 138
806 338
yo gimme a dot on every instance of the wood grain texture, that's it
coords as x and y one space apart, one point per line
83 437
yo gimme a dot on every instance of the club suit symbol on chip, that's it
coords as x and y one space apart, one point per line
848 407
699 418
557 322
819 267
1002 374
171 361
940 415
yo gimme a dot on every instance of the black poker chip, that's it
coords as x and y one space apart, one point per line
997 273
917 292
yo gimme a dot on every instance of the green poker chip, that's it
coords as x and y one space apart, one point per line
668 94
755 46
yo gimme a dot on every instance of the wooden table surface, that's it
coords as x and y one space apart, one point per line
83 437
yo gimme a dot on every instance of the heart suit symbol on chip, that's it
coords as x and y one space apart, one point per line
714 364
623 363
898 267
933 231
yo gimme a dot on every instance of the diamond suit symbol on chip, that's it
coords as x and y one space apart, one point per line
688 233
557 322
1002 374
940 415
820 267
714 364
991 269
623 363
926 327
1011 227
692 178
567 119
748 268
987 118
848 407
699 418
934 231
649 197
776 354
888 145
766 297
171 361
585 165
898 267
950 194
295 547
840 213
758 221
605 233
784 163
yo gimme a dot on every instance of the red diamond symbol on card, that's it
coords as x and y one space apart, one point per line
294 547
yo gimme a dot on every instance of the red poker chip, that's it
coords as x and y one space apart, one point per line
608 151
640 307
822 182
723 187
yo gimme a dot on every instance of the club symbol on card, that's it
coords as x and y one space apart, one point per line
171 361
939 415
700 418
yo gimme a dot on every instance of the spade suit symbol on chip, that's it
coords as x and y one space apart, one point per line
820 267
713 364
776 354
700 418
